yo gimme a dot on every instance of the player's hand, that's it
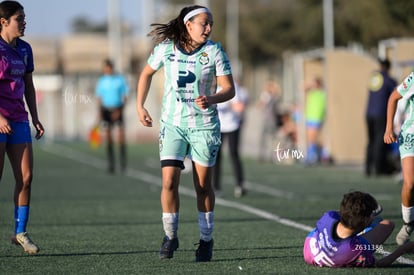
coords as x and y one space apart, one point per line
202 102
144 117
5 127
39 129
389 137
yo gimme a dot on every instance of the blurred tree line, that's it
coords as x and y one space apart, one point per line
267 28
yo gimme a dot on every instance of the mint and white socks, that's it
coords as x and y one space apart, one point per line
407 213
170 224
206 224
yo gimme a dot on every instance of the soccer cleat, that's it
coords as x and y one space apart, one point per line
24 241
168 247
404 235
204 252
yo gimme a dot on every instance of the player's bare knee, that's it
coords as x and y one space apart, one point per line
168 186
408 182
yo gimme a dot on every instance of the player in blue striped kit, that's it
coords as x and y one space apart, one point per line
189 124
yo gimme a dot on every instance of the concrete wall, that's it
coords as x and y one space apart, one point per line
347 77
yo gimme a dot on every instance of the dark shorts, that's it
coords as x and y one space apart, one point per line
112 117
21 134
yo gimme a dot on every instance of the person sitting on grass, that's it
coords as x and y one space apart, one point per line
349 237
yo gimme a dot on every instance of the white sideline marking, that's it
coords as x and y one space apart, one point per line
71 154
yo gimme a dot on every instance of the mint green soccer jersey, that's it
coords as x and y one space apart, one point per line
187 76
406 89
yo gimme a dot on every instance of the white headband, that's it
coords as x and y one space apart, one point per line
194 13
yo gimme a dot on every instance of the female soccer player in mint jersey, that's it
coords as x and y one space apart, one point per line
189 124
406 146
16 83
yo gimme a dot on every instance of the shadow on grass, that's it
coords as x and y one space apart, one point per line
114 253
136 222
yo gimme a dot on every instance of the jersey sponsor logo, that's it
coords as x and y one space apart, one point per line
327 242
184 78
407 81
185 91
186 61
227 66
18 72
17 62
187 100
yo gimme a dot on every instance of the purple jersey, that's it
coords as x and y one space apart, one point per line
14 64
322 249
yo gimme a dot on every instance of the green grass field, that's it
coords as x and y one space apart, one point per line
89 222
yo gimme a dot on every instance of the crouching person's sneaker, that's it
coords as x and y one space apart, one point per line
24 241
204 252
405 232
168 247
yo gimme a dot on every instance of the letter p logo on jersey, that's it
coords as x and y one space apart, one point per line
185 77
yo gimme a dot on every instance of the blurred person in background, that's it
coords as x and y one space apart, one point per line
189 126
381 86
315 113
111 92
287 134
269 104
16 84
231 114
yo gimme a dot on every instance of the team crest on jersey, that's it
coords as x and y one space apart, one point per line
204 59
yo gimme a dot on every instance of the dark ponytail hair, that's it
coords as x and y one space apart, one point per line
174 30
